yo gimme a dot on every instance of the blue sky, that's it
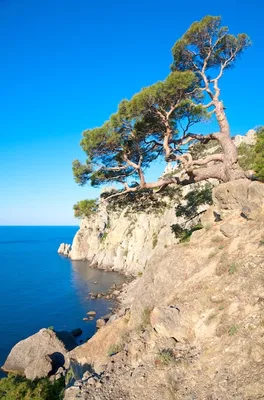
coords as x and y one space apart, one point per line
65 65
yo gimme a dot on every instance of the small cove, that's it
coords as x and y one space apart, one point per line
39 288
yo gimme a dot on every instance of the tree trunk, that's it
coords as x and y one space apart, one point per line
232 170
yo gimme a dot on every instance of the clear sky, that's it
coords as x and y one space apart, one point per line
64 67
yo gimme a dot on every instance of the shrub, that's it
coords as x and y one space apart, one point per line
85 208
104 236
259 154
144 200
246 156
19 388
252 156
194 199
189 210
184 234
114 349
51 328
165 356
69 376
154 240
233 330
232 269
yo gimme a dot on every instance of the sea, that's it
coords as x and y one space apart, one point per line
41 289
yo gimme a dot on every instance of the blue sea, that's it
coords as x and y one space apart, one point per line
39 288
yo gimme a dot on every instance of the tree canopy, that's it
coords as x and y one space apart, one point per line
156 123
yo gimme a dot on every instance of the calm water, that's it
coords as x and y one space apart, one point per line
39 288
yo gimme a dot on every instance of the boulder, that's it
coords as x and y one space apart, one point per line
168 322
100 322
231 195
39 355
256 193
39 368
229 230
242 195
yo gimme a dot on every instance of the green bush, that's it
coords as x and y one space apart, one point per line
251 157
259 154
85 208
184 234
166 356
19 388
189 211
246 156
194 199
233 330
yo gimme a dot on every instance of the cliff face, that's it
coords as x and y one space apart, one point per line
126 240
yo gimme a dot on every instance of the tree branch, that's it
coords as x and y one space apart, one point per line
206 160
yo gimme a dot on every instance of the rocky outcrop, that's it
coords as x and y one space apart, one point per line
193 326
125 240
64 249
249 138
170 322
238 195
40 355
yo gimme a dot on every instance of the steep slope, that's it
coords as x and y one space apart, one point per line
192 326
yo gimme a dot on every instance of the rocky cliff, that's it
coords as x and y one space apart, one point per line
125 240
191 327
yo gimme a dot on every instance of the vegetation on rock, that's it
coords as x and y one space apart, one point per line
189 209
85 208
259 154
251 157
156 123
19 388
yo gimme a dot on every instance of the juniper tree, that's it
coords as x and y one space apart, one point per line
157 121
142 130
208 50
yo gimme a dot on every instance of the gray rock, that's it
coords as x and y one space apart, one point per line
231 195
229 230
256 193
242 195
71 393
29 356
39 368
100 323
168 322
